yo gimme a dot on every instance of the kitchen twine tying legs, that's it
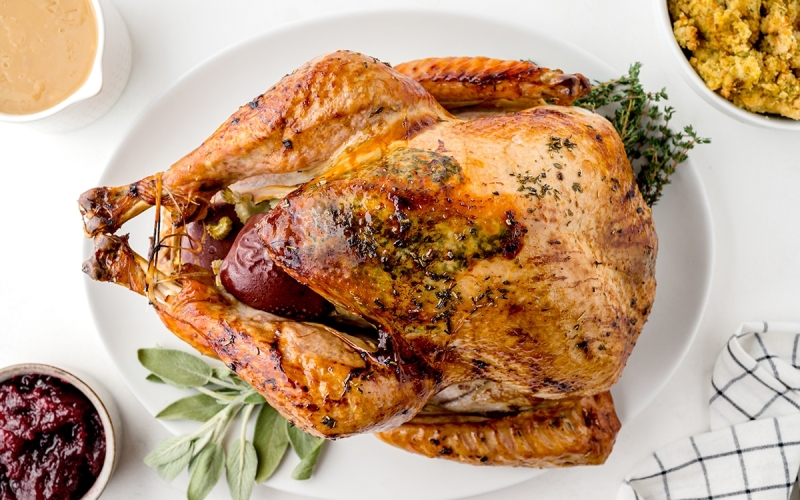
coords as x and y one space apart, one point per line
753 449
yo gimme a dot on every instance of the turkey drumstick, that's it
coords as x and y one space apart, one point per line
327 382
330 105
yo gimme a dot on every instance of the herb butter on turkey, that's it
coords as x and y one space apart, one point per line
746 50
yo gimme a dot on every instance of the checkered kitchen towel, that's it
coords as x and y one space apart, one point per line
753 449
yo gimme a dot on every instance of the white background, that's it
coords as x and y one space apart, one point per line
751 176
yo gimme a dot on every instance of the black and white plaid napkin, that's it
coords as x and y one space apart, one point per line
753 449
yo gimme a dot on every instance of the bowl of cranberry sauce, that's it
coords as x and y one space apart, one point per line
57 438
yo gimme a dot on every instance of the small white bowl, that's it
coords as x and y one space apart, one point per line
102 88
105 407
698 85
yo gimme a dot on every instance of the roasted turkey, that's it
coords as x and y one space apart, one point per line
488 275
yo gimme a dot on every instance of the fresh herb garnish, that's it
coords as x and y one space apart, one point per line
652 146
222 397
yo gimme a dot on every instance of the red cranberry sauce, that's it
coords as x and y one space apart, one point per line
52 444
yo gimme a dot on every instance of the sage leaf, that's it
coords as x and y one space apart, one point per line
199 444
206 469
168 450
154 378
303 443
305 468
270 439
254 399
240 470
199 407
222 374
170 470
224 391
177 368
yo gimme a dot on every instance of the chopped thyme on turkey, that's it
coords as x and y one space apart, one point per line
404 222
532 185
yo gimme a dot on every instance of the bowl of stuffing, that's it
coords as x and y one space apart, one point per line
741 57
58 438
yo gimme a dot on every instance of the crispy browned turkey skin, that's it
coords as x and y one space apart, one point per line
506 262
549 433
459 82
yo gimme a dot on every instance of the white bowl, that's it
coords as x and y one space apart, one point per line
698 85
104 405
102 88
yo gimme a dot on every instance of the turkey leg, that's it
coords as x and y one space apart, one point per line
326 107
324 381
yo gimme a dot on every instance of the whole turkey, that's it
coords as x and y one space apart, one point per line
494 260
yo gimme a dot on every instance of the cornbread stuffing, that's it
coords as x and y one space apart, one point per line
746 50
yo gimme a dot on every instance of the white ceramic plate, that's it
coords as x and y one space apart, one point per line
362 467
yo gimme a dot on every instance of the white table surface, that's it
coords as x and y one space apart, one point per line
751 177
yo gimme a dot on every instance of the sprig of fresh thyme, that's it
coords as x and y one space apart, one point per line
222 396
652 146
